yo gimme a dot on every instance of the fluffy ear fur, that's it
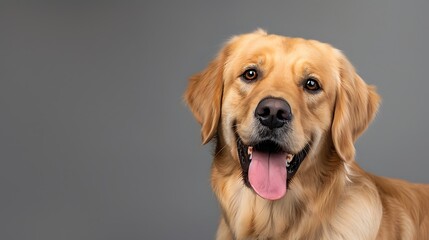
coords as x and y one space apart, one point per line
204 96
356 106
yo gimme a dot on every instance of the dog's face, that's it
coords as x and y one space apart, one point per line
277 101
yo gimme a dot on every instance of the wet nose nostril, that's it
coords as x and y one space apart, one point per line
266 112
263 112
281 115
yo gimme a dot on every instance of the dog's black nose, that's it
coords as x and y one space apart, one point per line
273 112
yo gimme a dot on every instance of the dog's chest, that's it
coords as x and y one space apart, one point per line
250 217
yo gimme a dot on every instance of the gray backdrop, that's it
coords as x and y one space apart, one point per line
96 143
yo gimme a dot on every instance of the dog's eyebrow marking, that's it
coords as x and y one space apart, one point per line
256 61
249 66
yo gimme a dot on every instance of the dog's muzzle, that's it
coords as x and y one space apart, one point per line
267 165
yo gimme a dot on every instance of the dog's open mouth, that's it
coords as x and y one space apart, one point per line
267 168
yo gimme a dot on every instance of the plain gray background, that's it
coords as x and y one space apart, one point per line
96 143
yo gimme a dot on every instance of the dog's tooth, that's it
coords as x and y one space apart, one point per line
289 158
249 151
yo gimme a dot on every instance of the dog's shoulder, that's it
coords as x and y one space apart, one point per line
405 207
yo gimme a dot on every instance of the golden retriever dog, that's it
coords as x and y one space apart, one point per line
285 113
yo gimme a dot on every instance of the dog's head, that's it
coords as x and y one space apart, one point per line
275 101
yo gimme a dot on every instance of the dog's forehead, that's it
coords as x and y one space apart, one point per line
257 47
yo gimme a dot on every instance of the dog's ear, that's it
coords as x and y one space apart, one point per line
204 96
356 105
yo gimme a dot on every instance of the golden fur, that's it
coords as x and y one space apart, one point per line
330 196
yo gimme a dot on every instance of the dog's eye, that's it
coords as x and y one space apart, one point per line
312 85
250 75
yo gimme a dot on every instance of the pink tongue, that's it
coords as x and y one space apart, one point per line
267 174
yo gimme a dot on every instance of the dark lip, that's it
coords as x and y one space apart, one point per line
271 146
